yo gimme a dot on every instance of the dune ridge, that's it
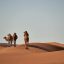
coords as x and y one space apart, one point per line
38 53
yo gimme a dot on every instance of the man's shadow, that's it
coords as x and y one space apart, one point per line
46 47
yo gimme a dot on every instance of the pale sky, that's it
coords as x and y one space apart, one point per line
43 19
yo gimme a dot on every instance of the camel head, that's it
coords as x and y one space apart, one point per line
4 37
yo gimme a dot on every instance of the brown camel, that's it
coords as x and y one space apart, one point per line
9 38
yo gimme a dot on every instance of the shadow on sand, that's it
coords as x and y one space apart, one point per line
43 46
47 47
4 44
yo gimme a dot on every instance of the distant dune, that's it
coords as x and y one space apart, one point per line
38 53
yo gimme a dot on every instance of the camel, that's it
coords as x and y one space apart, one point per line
9 38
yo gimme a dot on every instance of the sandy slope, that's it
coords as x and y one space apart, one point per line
51 54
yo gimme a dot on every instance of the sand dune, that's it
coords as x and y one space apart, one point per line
38 53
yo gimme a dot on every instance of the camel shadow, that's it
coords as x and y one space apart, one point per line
47 47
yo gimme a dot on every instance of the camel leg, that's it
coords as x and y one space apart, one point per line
11 43
8 43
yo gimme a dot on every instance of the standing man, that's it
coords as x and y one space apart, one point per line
26 39
15 37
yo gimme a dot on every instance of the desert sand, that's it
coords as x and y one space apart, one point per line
38 53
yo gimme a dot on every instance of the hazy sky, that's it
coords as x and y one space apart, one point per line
43 19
